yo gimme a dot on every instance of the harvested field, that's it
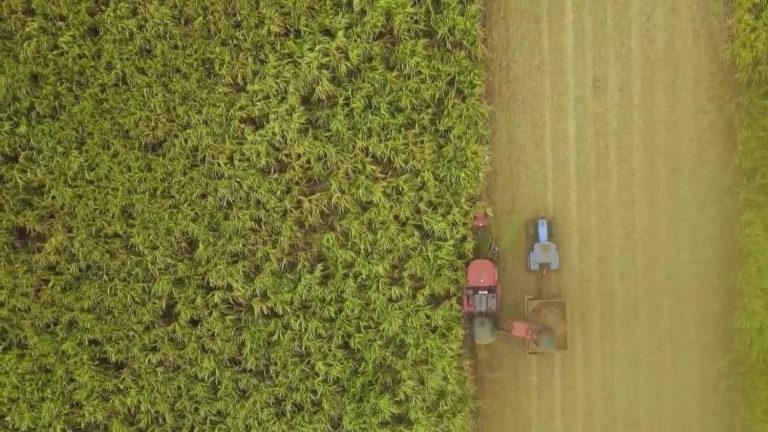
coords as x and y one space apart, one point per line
616 118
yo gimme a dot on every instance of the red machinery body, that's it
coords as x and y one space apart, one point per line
521 329
482 293
480 221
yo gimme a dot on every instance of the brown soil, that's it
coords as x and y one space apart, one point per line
616 118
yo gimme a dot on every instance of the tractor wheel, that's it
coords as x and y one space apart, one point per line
546 339
483 330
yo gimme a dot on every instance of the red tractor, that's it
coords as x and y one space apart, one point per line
482 293
481 301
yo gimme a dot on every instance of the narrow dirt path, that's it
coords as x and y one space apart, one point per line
615 117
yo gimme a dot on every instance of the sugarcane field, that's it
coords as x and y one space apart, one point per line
384 215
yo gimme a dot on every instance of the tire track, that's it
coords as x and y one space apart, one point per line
597 146
650 308
686 197
573 204
547 394
668 244
585 287
577 388
547 95
638 27
614 162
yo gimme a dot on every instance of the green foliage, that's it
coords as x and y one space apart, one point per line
749 24
237 215
750 51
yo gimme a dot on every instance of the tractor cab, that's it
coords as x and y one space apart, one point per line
544 253
481 292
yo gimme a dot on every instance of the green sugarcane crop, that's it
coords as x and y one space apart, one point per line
750 52
237 215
